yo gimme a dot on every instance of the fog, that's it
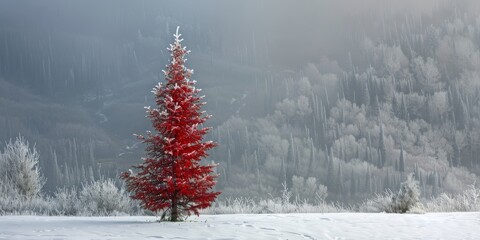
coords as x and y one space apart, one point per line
336 91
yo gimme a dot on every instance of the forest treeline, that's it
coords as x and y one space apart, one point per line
410 105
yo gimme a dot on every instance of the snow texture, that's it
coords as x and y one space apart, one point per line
267 226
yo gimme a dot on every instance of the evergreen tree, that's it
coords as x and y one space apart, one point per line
463 118
283 172
382 149
366 95
407 197
427 111
330 174
404 110
434 183
312 157
401 165
387 183
290 164
353 185
456 154
376 106
368 181
339 180
171 177
395 107
229 165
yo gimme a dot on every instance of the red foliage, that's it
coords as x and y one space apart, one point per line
171 177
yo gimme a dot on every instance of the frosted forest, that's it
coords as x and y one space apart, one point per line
316 107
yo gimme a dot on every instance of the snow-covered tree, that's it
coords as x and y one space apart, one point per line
407 197
171 177
401 163
382 149
19 170
427 75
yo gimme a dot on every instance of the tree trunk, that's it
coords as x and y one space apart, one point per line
174 215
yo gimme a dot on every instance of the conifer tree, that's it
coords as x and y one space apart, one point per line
331 184
290 164
171 177
366 95
395 105
382 149
401 165
353 185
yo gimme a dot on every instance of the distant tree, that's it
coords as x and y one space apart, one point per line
308 188
455 158
229 165
171 177
382 149
401 164
19 170
427 74
368 181
330 174
339 180
404 114
366 95
353 185
407 197
312 157
290 164
395 107
376 106
389 182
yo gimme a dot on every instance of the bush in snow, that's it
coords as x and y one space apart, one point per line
103 198
66 202
467 201
20 206
282 204
11 202
407 197
404 200
271 205
380 203
19 171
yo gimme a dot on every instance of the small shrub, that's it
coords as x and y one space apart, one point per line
12 203
66 202
468 200
281 204
407 197
380 203
103 198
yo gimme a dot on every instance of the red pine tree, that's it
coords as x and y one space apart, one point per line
171 177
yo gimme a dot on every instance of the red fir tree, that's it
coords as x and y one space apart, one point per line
171 177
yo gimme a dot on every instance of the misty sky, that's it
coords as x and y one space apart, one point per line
294 31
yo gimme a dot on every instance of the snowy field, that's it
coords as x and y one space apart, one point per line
268 226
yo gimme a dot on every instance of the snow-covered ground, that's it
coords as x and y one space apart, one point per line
267 226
